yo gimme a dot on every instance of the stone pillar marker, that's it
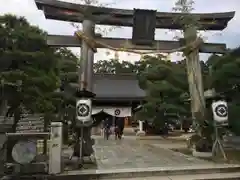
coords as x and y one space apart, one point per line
55 148
141 132
140 126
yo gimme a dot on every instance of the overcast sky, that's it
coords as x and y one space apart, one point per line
230 36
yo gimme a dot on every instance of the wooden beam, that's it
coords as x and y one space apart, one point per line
65 11
73 41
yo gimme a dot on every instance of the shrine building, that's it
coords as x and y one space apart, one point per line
117 95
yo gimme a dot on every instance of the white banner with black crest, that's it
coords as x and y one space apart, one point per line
220 111
84 110
114 111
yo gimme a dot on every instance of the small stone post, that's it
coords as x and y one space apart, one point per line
140 132
140 126
55 148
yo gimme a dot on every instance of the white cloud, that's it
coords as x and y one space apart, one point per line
230 35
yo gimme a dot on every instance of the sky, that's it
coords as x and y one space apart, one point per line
230 36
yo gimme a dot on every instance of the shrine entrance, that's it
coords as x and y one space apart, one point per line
115 115
144 23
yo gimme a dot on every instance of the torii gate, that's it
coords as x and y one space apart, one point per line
141 39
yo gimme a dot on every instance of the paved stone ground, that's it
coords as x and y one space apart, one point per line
132 153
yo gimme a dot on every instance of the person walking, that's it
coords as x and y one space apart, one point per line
119 128
102 128
107 127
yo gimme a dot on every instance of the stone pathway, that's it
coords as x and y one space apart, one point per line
131 153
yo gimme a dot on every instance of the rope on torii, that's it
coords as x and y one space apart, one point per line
93 42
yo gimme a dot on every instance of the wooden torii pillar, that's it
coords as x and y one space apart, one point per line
85 76
194 71
87 58
64 11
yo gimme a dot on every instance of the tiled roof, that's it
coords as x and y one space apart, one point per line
114 86
117 86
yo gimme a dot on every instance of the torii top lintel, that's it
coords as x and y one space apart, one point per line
65 11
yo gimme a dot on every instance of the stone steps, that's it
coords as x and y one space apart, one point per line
195 172
215 176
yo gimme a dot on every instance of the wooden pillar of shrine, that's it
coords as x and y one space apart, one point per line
87 58
86 79
194 74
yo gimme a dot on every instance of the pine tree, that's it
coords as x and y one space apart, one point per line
29 68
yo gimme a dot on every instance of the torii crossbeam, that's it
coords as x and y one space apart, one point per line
65 11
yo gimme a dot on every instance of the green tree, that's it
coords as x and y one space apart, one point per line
226 81
30 71
226 73
65 99
164 83
113 66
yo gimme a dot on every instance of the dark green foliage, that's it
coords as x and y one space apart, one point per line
234 122
29 70
113 66
68 74
165 82
226 80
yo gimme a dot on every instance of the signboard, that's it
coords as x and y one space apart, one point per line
30 123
